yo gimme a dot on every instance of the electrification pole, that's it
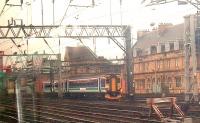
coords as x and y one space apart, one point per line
60 94
129 62
191 85
193 21
187 59
19 100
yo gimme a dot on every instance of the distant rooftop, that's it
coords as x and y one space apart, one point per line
80 53
163 34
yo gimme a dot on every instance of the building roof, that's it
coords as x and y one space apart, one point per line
80 53
169 34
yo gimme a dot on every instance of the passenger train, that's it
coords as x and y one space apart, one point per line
108 86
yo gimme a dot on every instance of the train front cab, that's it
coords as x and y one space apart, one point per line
113 87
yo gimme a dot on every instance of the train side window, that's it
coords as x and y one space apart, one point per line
103 82
91 83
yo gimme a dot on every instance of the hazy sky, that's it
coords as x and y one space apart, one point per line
104 12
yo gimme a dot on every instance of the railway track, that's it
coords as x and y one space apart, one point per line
62 111
70 110
95 112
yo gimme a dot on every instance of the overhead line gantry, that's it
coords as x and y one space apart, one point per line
78 31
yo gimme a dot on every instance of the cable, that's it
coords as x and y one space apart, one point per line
121 16
59 45
110 12
42 12
2 11
53 12
65 12
16 45
48 45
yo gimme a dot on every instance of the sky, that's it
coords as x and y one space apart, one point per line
104 12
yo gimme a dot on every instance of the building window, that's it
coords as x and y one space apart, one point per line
171 46
176 62
169 81
168 64
143 67
142 83
147 66
158 64
181 45
162 48
178 81
139 67
153 49
148 83
136 84
139 52
136 69
161 64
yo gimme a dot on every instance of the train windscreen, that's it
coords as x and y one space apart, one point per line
47 87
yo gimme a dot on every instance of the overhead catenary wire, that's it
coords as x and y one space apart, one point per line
48 45
65 12
42 12
16 45
121 16
2 11
53 2
110 12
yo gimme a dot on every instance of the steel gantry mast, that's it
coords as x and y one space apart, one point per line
79 31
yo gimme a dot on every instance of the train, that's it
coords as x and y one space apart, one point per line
2 81
108 86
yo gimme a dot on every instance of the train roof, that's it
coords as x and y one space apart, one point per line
86 77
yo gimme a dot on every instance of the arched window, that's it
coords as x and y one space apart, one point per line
178 81
149 83
169 81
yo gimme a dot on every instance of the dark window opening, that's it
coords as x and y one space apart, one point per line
178 81
138 52
153 49
181 45
169 81
162 48
171 46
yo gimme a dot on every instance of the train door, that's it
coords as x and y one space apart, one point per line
113 84
99 84
66 85
102 85
118 82
55 88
